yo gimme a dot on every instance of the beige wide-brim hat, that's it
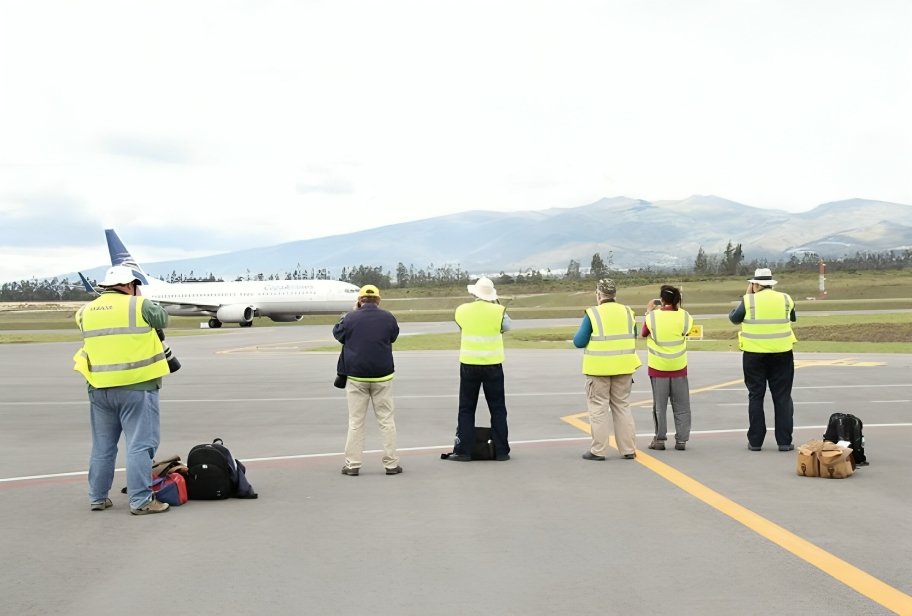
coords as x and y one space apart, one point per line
483 289
763 276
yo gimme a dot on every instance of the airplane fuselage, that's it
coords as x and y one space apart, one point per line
239 302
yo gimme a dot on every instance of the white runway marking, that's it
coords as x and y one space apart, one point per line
305 456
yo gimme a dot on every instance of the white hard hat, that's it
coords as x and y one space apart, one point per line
121 274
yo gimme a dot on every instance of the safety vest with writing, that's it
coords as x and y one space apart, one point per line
667 342
482 342
612 345
118 346
766 327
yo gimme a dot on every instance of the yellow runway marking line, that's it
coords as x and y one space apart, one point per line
853 577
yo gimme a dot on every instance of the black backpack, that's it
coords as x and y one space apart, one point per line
483 449
846 427
214 474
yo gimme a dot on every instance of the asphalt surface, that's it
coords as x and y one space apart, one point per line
715 529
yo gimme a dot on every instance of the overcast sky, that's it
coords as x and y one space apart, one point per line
197 127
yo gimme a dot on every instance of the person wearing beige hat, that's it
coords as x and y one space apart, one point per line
766 339
481 356
608 335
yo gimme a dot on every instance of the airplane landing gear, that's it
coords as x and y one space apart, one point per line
214 323
246 323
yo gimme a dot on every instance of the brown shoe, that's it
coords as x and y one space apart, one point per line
657 444
629 456
152 506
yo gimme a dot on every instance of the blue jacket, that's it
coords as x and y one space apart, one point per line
367 334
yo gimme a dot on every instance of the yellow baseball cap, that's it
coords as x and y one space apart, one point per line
369 290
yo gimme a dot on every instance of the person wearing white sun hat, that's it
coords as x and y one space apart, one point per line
766 339
481 355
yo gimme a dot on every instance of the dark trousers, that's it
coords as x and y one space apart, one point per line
777 369
471 379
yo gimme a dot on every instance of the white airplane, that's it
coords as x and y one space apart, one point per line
238 302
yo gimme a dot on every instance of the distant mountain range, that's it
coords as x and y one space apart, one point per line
636 233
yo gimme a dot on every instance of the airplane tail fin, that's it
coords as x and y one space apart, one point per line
88 285
121 256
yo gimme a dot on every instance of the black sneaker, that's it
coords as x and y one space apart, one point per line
680 446
591 456
393 471
458 457
786 447
753 447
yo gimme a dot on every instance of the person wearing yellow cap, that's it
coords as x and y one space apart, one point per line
367 334
481 356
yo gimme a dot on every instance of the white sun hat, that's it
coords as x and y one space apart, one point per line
763 276
483 289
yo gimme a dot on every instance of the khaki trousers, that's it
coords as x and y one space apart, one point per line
610 393
359 394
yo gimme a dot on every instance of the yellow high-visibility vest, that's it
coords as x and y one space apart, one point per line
118 346
482 342
612 345
667 342
766 327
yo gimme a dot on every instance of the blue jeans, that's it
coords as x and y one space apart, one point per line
471 379
135 413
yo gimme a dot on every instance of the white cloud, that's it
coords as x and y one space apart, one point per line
269 121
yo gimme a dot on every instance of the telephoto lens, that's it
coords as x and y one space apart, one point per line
173 363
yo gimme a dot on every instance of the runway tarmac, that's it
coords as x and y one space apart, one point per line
715 529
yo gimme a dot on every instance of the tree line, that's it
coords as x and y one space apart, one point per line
729 262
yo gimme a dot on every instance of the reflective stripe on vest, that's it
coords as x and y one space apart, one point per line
767 327
118 348
667 342
481 343
612 345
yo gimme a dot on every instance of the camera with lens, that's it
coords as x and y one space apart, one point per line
656 302
173 362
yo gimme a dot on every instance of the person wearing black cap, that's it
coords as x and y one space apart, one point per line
123 360
367 334
766 339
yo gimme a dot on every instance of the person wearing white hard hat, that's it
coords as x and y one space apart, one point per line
481 356
766 339
123 361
